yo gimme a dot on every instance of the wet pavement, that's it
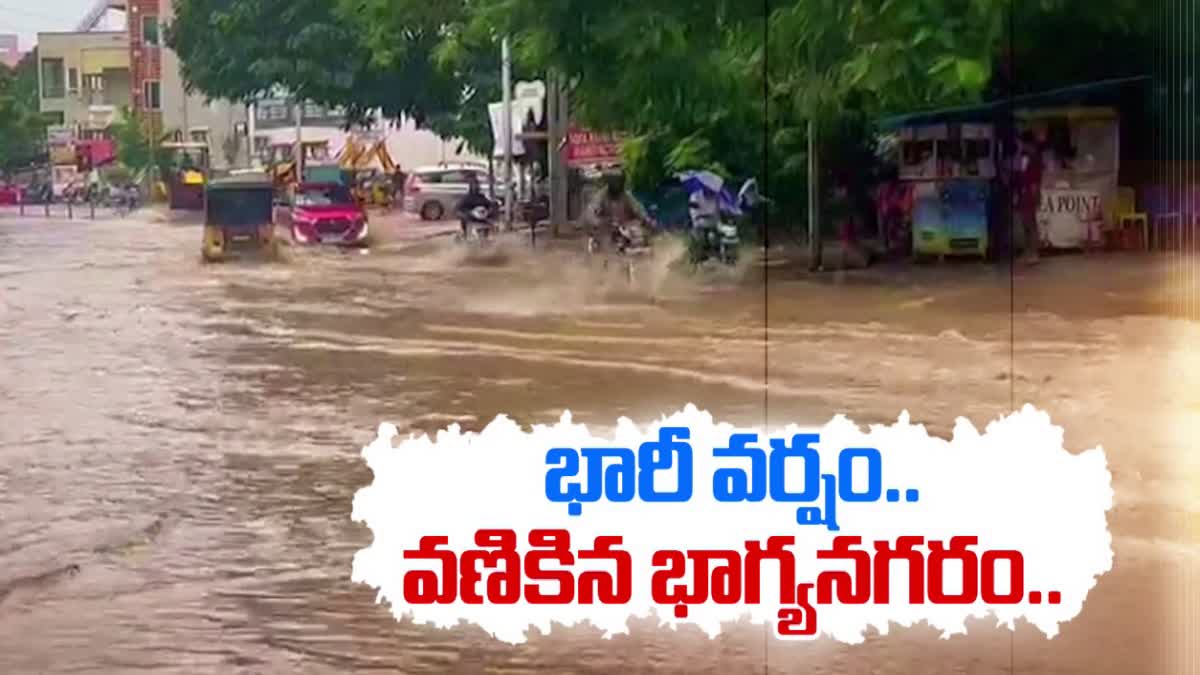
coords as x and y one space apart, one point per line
180 441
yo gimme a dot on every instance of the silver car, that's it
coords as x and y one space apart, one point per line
433 192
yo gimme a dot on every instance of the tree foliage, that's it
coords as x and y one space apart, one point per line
402 57
137 147
728 85
22 127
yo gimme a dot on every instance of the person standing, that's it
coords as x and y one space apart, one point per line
893 214
398 180
1030 199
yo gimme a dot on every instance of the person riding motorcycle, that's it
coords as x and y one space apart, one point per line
472 200
611 214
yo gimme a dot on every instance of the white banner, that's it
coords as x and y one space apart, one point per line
1069 218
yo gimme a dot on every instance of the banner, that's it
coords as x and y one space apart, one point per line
589 148
529 100
1070 218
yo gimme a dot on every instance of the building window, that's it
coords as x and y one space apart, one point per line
152 95
73 80
52 78
54 118
150 29
93 82
199 136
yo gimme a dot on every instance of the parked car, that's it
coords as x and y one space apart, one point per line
433 192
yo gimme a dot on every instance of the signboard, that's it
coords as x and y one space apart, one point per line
60 135
522 107
589 148
526 90
1070 217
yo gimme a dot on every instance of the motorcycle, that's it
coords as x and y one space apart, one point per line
627 245
39 193
713 212
479 225
124 200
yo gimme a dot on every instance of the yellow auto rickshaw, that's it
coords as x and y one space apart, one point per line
239 216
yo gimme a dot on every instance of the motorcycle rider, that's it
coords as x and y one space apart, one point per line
611 210
472 200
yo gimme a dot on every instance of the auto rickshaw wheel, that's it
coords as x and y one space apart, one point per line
214 244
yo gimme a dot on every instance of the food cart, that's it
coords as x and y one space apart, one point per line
1079 130
949 167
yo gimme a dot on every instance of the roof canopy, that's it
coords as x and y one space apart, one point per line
242 182
1102 93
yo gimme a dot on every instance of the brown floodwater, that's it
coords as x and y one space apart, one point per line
180 442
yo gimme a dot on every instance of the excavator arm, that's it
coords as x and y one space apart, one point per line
385 158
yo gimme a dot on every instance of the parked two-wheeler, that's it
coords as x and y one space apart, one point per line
38 193
123 200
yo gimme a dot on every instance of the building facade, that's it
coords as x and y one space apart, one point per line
84 79
159 95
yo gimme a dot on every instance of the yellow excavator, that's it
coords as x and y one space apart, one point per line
281 166
372 186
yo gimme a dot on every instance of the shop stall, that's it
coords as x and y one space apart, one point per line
1080 156
950 159
948 168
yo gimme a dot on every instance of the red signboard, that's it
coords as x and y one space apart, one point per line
589 148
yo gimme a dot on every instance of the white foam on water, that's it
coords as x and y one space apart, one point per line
1014 486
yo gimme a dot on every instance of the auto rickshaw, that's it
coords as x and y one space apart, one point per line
187 176
239 216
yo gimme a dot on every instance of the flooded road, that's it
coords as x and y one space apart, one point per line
181 442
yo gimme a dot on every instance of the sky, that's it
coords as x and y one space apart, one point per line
27 17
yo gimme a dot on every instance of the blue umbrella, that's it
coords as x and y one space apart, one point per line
707 181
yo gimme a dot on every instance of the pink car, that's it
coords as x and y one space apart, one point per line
327 213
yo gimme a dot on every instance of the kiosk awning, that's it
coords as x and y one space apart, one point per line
1102 93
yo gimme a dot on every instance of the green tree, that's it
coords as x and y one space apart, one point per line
22 127
137 149
364 55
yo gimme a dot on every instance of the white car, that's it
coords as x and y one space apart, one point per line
433 192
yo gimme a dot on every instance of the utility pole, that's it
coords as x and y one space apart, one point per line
814 225
815 243
507 125
298 153
553 156
251 127
557 127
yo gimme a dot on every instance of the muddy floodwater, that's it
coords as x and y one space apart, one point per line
179 443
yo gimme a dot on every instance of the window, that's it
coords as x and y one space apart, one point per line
52 78
73 79
150 29
199 136
54 118
93 82
152 95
